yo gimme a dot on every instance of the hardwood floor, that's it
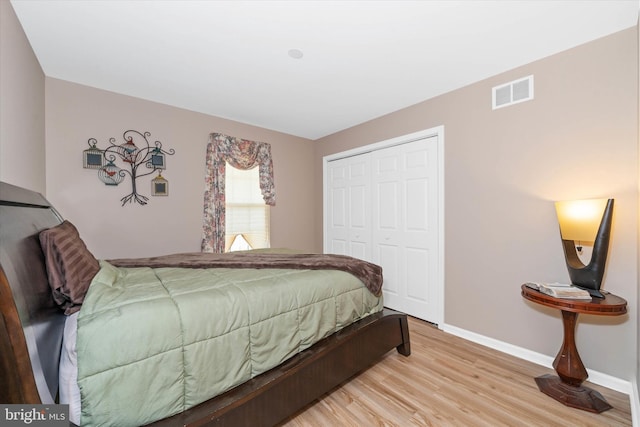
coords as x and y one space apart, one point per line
448 381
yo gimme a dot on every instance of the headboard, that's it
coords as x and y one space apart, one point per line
31 325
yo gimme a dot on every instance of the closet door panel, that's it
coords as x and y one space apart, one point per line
391 268
417 204
421 228
349 210
338 209
387 208
358 209
416 289
358 249
360 206
405 182
389 203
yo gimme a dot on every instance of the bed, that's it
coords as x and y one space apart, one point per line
32 330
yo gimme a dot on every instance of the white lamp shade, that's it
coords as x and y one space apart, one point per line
580 219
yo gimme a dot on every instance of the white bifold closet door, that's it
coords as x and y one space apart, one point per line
383 208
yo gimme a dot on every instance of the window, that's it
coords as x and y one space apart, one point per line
247 215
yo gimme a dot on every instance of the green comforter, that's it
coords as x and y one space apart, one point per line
154 342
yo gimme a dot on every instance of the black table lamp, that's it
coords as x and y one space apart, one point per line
586 222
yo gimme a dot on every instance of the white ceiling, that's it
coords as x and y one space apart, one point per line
362 59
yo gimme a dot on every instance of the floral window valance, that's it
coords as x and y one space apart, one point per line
241 154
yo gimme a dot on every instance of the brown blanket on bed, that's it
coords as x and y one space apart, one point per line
370 274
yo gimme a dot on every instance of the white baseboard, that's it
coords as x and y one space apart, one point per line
595 377
634 397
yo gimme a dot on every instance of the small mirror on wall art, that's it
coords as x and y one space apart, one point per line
93 156
159 186
157 159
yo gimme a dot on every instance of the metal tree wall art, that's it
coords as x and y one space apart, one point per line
133 153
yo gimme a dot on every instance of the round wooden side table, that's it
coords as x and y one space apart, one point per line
567 386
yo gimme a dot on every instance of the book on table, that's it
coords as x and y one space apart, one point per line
559 290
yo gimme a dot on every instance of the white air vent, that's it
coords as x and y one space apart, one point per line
513 92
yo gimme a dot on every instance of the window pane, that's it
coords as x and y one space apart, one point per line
247 215
243 186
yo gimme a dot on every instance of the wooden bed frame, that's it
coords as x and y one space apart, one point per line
32 325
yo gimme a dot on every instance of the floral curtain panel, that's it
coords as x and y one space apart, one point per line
241 154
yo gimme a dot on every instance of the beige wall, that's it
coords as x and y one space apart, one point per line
76 113
503 169
22 142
